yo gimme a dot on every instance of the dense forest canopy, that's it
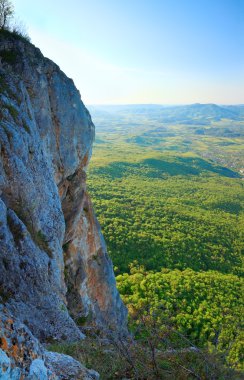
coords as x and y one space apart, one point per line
167 186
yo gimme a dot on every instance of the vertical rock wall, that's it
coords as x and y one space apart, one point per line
53 260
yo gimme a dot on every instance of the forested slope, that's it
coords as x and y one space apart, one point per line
169 196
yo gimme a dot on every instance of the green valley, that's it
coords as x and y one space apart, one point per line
167 186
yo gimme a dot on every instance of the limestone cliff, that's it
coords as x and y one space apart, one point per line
54 266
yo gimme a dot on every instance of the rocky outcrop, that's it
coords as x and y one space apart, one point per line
22 356
20 353
68 368
55 271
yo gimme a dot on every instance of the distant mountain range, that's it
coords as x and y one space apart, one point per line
183 114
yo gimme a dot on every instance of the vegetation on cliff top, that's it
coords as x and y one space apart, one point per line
8 26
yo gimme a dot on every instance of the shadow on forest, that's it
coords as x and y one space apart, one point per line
189 165
158 168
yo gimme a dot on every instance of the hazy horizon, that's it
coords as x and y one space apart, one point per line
140 52
164 104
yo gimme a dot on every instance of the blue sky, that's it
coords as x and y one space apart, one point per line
143 51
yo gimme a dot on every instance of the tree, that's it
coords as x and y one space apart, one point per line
6 13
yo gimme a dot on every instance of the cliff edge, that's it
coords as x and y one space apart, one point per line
55 271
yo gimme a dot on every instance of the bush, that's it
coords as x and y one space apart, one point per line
15 34
156 354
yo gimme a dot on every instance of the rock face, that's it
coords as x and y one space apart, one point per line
55 271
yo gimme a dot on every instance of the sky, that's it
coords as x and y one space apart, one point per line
143 51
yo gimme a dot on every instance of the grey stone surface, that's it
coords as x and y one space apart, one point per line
69 368
5 366
38 370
